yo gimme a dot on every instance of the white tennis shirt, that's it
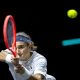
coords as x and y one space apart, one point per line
37 63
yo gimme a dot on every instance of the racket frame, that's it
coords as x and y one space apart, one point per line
13 49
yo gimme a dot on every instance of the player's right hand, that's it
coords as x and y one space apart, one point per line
5 55
2 55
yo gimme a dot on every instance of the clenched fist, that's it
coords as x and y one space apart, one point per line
18 67
3 55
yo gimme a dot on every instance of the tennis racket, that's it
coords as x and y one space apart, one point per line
9 34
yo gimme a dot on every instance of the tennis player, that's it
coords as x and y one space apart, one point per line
28 64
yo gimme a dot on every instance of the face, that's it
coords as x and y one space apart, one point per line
23 50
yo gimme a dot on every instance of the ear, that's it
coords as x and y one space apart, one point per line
30 45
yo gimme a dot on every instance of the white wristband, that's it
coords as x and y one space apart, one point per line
8 58
27 73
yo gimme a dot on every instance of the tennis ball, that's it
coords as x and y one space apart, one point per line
72 13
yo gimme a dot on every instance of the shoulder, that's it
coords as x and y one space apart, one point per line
39 57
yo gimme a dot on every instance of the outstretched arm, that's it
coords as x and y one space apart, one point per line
20 69
38 73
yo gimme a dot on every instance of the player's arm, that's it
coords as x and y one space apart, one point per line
5 56
24 72
39 72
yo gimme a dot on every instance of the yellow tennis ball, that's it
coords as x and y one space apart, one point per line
72 13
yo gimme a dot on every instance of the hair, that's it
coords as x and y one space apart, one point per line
31 43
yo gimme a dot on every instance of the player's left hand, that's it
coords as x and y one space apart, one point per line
18 67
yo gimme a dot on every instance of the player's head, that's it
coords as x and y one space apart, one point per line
24 44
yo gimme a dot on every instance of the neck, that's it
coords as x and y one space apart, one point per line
26 57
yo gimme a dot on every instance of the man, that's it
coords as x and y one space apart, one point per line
28 64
